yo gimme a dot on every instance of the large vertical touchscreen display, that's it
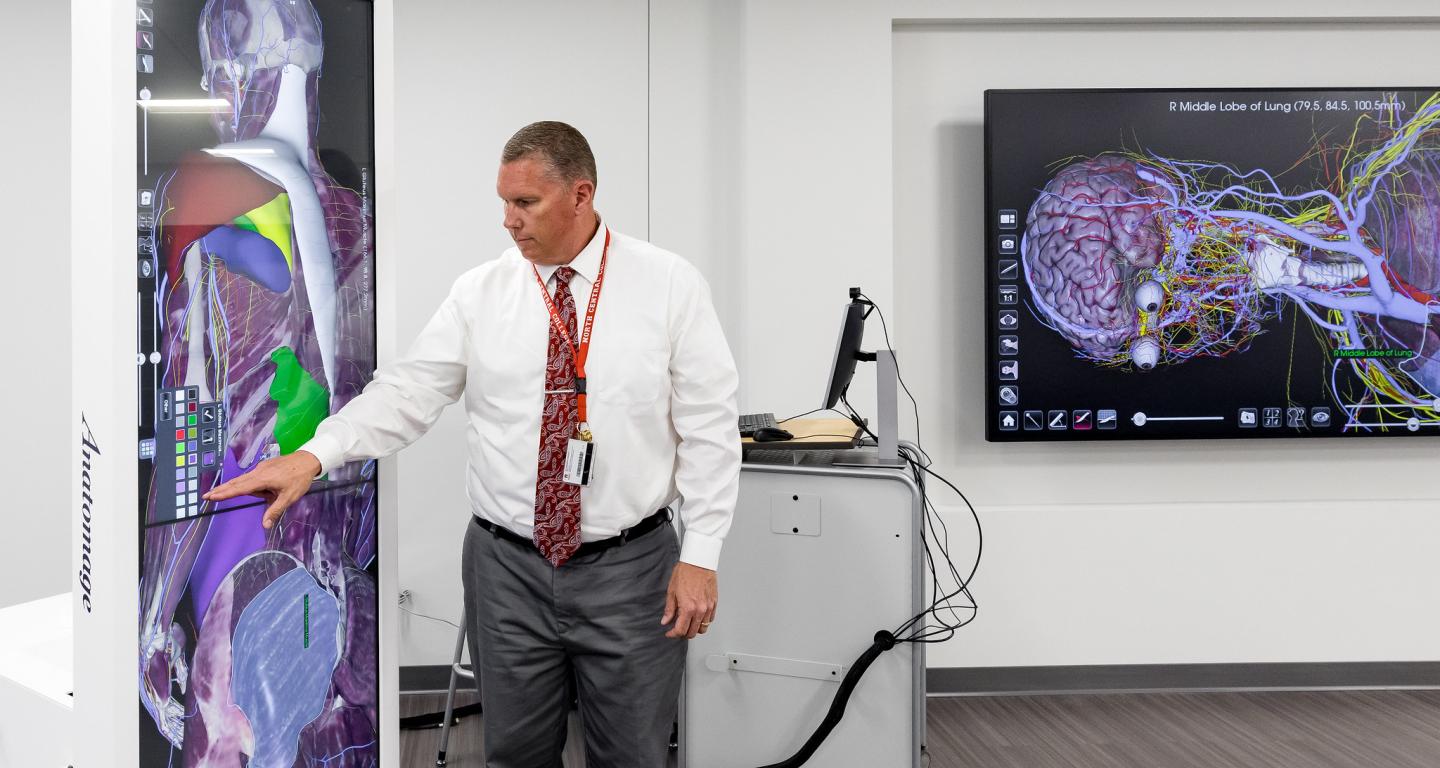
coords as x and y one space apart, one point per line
255 295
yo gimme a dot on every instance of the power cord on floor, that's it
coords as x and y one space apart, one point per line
437 719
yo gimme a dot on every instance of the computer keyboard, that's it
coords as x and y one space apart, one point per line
821 458
749 422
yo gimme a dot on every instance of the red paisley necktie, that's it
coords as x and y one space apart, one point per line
557 503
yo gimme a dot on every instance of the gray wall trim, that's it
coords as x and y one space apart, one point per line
963 681
429 678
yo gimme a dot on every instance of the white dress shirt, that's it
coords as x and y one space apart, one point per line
661 385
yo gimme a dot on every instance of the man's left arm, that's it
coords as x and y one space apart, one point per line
704 413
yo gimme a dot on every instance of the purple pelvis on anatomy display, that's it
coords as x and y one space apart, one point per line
1140 260
268 677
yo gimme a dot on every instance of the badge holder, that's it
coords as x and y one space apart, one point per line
580 453
579 460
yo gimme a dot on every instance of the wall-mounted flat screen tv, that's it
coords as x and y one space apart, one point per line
1212 263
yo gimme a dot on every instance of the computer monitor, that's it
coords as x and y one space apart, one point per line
847 351
842 370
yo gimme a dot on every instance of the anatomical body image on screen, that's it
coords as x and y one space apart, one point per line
1214 263
256 301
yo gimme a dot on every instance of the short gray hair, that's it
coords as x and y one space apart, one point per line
564 149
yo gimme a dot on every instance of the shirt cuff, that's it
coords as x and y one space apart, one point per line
327 449
701 550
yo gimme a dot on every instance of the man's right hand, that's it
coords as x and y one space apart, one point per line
280 481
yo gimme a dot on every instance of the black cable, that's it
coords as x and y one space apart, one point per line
884 641
855 417
945 630
942 541
432 618
914 406
807 413
925 543
437 719
918 468
937 602
944 603
979 532
964 583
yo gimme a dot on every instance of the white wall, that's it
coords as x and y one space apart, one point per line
468 75
798 147
35 304
1128 553
858 162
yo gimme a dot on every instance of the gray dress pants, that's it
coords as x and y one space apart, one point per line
597 617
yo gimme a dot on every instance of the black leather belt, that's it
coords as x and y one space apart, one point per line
641 528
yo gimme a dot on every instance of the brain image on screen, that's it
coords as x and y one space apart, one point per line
258 647
1139 260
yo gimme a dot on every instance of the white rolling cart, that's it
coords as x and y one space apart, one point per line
820 558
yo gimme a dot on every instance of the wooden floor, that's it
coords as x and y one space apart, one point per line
1312 729
466 748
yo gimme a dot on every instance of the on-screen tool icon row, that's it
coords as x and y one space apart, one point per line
1293 417
1075 420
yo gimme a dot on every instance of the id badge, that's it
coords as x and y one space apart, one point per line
579 460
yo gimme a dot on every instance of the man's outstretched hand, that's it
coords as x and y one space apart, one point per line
280 481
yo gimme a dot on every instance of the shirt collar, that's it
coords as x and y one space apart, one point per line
587 263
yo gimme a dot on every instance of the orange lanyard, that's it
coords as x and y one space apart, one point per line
582 350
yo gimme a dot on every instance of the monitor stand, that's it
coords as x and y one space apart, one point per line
886 417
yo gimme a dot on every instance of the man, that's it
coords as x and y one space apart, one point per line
579 344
